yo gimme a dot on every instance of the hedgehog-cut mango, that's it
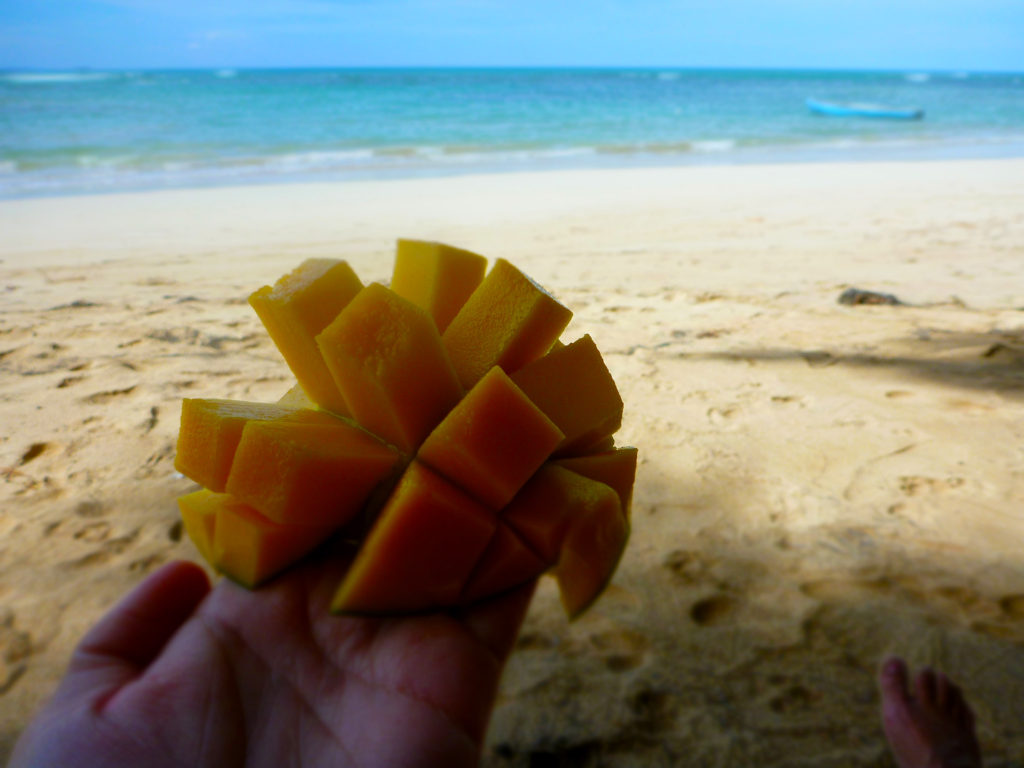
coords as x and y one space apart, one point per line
438 426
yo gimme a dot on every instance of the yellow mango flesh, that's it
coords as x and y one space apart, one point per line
492 441
420 552
297 308
209 435
250 548
306 472
508 321
573 387
386 356
436 277
199 516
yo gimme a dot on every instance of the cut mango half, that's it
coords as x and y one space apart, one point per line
439 425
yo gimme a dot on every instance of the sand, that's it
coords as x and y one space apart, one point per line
819 484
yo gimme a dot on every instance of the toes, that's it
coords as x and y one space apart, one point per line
892 680
926 687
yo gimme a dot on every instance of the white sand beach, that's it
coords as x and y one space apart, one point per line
819 484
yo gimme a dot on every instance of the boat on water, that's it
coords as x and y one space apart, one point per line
857 109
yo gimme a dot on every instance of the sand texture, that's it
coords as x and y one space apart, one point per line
820 484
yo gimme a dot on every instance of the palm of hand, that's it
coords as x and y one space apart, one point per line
179 675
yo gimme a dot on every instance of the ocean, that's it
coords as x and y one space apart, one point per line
96 131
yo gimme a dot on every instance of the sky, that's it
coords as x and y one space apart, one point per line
944 35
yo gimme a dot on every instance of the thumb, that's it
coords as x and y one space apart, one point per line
133 633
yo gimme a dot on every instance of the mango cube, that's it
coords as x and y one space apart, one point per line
299 306
615 468
251 548
199 516
586 413
508 321
209 435
436 277
506 563
386 356
492 441
421 550
301 473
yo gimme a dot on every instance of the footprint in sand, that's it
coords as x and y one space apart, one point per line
913 485
620 649
714 611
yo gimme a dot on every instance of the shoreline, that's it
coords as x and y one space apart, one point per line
703 154
819 485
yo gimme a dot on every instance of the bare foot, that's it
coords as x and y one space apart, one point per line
931 727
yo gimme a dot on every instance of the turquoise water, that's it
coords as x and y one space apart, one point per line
80 132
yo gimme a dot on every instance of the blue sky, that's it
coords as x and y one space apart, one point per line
970 35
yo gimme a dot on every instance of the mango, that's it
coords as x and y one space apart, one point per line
297 308
492 441
209 435
199 516
300 473
440 427
615 468
508 321
250 548
387 360
436 277
421 550
586 415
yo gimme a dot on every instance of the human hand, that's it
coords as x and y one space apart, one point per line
178 674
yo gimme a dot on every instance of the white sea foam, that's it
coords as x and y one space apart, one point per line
714 145
33 78
917 77
226 74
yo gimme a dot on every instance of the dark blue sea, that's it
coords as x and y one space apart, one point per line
98 131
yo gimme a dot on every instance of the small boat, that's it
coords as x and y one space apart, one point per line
864 110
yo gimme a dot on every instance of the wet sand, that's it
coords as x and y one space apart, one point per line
820 484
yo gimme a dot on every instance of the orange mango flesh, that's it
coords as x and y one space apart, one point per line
300 473
543 512
209 435
199 516
492 441
297 308
421 550
615 468
506 563
480 508
590 552
508 321
250 548
436 277
585 414
386 357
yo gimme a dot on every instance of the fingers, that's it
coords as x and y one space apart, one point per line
133 633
